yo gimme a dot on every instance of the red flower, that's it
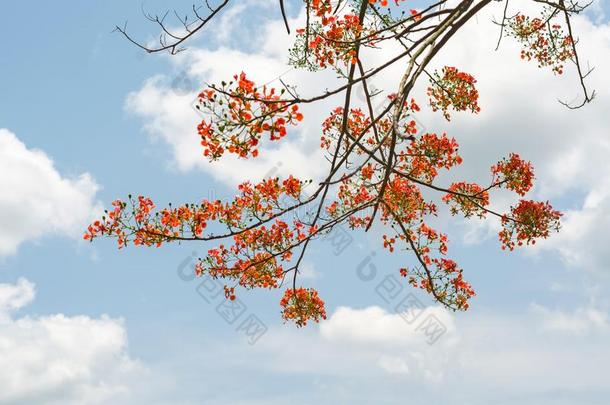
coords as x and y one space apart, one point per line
514 174
453 89
529 220
301 305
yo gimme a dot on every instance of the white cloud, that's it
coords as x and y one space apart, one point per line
485 357
308 271
169 116
37 199
376 326
368 343
59 359
582 241
528 357
15 296
393 365
400 347
580 321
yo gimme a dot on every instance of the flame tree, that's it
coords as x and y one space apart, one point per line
380 164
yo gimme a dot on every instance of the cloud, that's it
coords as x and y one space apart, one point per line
582 241
393 365
37 199
369 355
171 119
59 359
165 105
15 296
401 346
579 321
531 357
308 271
354 342
376 326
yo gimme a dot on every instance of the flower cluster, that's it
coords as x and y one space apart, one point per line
468 198
336 41
403 200
384 3
358 124
301 305
333 37
529 220
322 9
460 289
134 220
238 115
438 275
416 15
354 193
450 284
254 259
542 41
514 173
453 89
360 128
429 153
110 224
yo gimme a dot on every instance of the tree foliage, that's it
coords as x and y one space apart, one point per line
380 163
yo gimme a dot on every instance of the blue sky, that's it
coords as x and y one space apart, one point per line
85 118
